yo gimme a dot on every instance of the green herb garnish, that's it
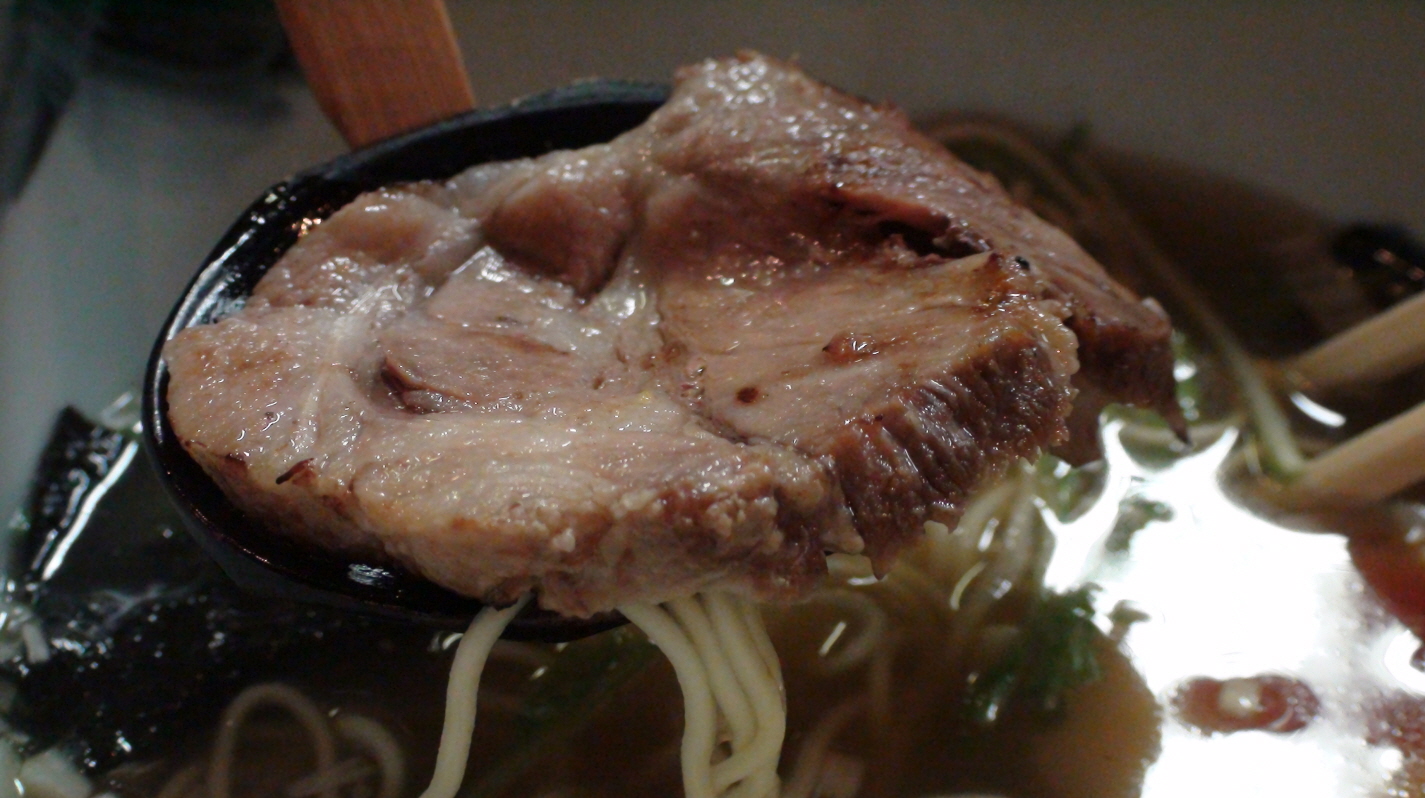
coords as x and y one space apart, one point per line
1134 513
1054 654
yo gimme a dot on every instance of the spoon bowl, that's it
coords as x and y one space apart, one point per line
256 556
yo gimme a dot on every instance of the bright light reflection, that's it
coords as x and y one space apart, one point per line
1231 594
1079 543
1319 413
1397 649
1246 764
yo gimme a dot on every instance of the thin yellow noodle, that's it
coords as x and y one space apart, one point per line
1200 435
731 700
752 617
751 634
986 507
761 784
807 768
377 742
1024 512
460 698
699 711
1022 148
756 629
311 718
763 686
878 682
347 771
872 632
743 763
915 593
941 547
1006 560
957 595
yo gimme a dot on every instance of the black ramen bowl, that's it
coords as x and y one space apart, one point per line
256 556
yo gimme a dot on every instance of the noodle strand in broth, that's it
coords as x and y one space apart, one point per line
461 694
295 703
726 667
730 678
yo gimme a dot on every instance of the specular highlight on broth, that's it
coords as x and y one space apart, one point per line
901 686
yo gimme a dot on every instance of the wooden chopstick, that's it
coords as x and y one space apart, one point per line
378 67
1385 345
1390 456
1369 467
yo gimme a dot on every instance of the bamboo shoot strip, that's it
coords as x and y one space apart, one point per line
1382 346
1369 467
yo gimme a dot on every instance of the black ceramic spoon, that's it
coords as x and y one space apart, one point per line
258 557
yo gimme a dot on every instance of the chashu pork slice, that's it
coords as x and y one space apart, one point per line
908 387
772 322
786 160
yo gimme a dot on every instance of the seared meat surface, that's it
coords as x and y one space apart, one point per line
772 322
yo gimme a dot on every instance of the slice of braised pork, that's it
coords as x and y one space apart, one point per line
771 323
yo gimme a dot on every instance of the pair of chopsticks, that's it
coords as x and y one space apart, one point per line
1390 456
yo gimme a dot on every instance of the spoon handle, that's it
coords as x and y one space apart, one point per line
378 67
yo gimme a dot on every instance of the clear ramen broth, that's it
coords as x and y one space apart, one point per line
982 665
